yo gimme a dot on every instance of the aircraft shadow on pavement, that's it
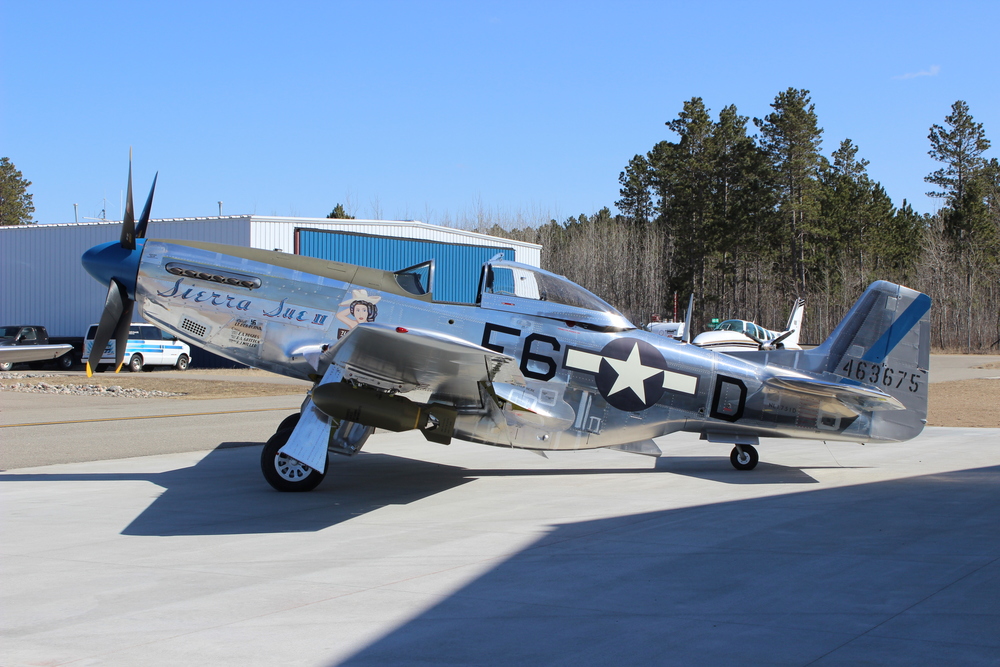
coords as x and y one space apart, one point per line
896 572
224 492
718 469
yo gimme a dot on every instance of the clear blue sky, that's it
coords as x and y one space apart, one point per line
428 110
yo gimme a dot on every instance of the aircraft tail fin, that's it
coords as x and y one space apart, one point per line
687 320
791 341
884 341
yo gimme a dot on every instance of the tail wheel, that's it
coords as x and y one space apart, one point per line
135 363
182 363
744 457
283 472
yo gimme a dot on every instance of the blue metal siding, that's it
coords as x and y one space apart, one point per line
456 267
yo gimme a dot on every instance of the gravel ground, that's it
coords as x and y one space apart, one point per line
148 385
970 403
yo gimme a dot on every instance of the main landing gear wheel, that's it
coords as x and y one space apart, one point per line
289 422
745 459
283 472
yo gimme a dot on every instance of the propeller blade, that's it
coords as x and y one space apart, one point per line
121 334
114 307
777 341
771 344
140 230
128 223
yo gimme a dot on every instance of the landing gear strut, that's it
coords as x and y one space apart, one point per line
285 473
744 457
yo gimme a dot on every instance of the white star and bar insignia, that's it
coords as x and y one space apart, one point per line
631 374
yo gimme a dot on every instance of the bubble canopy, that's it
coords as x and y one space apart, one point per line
522 288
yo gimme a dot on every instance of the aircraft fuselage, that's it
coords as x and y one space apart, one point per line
595 388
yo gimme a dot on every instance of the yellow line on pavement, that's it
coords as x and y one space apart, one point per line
122 419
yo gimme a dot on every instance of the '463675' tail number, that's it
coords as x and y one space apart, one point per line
882 375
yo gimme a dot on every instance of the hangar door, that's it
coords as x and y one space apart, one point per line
456 266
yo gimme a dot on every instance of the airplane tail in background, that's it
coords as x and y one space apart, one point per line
884 341
791 341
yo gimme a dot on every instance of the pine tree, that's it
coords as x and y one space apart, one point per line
792 138
636 202
339 213
960 148
15 200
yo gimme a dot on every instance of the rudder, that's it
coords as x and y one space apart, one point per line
884 341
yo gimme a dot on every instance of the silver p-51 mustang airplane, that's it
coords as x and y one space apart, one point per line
537 362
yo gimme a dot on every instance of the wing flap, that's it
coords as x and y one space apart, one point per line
418 362
856 397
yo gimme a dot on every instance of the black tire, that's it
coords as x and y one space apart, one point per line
6 365
285 473
289 422
66 362
749 459
135 363
182 363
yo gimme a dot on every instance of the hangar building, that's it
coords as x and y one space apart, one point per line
44 283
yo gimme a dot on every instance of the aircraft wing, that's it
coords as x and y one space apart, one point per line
856 397
424 366
20 353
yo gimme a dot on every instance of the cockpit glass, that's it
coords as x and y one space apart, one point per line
416 279
731 325
528 283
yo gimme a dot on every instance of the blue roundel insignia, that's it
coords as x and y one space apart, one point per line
631 374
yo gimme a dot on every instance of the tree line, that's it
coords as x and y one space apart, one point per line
748 223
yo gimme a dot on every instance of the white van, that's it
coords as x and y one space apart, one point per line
147 346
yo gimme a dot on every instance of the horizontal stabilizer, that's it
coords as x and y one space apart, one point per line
854 396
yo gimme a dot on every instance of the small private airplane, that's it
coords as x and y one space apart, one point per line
737 335
537 362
